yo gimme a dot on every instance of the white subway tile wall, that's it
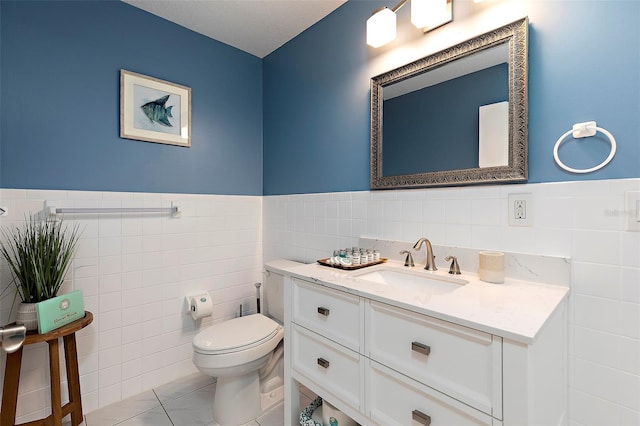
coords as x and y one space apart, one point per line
134 271
581 220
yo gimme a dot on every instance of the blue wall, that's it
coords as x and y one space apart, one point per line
302 113
584 64
316 107
448 140
60 71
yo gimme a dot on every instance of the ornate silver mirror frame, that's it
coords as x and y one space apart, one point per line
516 36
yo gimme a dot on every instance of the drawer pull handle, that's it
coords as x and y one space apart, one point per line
421 417
323 363
421 348
323 311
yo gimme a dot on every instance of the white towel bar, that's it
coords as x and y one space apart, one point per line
173 210
584 130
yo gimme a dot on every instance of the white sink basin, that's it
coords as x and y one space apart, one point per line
418 280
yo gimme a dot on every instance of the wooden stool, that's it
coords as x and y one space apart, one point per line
12 376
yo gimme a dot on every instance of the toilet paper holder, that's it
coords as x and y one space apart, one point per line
187 301
199 305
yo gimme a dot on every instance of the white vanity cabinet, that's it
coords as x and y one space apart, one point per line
325 340
384 363
395 399
461 362
334 314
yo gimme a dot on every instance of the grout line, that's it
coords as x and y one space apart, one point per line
139 414
162 405
129 418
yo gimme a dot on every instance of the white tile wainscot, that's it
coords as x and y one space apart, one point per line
492 354
134 271
582 220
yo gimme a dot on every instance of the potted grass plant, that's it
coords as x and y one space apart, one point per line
38 255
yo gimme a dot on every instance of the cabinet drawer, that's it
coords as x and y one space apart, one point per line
463 363
331 313
394 399
329 365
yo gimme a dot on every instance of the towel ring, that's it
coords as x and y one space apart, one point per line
583 130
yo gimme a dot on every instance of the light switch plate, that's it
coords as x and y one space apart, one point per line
632 210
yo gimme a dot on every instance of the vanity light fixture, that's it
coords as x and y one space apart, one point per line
430 14
425 14
381 26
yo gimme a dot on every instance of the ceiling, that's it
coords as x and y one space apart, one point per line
256 26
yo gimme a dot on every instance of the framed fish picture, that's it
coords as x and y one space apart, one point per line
154 110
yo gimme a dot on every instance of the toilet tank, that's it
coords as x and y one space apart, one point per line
273 288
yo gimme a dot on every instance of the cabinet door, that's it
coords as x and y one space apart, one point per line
458 361
394 399
331 313
328 364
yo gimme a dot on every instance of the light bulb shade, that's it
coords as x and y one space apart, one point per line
429 14
381 27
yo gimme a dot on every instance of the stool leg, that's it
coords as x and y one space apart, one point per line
56 397
10 388
73 378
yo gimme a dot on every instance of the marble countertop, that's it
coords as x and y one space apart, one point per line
515 310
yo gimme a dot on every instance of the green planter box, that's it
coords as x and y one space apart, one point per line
58 311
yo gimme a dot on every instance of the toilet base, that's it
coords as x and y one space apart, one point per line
237 399
228 396
271 399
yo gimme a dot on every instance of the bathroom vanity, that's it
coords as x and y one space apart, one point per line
391 345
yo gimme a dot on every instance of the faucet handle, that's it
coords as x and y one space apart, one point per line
454 268
408 261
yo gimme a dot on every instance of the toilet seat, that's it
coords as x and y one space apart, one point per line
235 335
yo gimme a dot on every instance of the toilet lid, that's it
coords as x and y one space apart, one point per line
235 334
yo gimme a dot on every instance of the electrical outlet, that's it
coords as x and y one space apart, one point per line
520 209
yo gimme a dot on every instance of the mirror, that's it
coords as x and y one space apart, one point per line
457 117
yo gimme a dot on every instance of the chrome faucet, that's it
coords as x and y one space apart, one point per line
408 261
431 262
454 268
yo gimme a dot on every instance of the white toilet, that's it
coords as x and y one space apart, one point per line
240 353
234 351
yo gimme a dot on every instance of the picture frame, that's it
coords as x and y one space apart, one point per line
154 110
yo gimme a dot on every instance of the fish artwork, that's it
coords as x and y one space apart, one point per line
157 111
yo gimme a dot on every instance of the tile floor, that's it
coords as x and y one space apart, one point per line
184 402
